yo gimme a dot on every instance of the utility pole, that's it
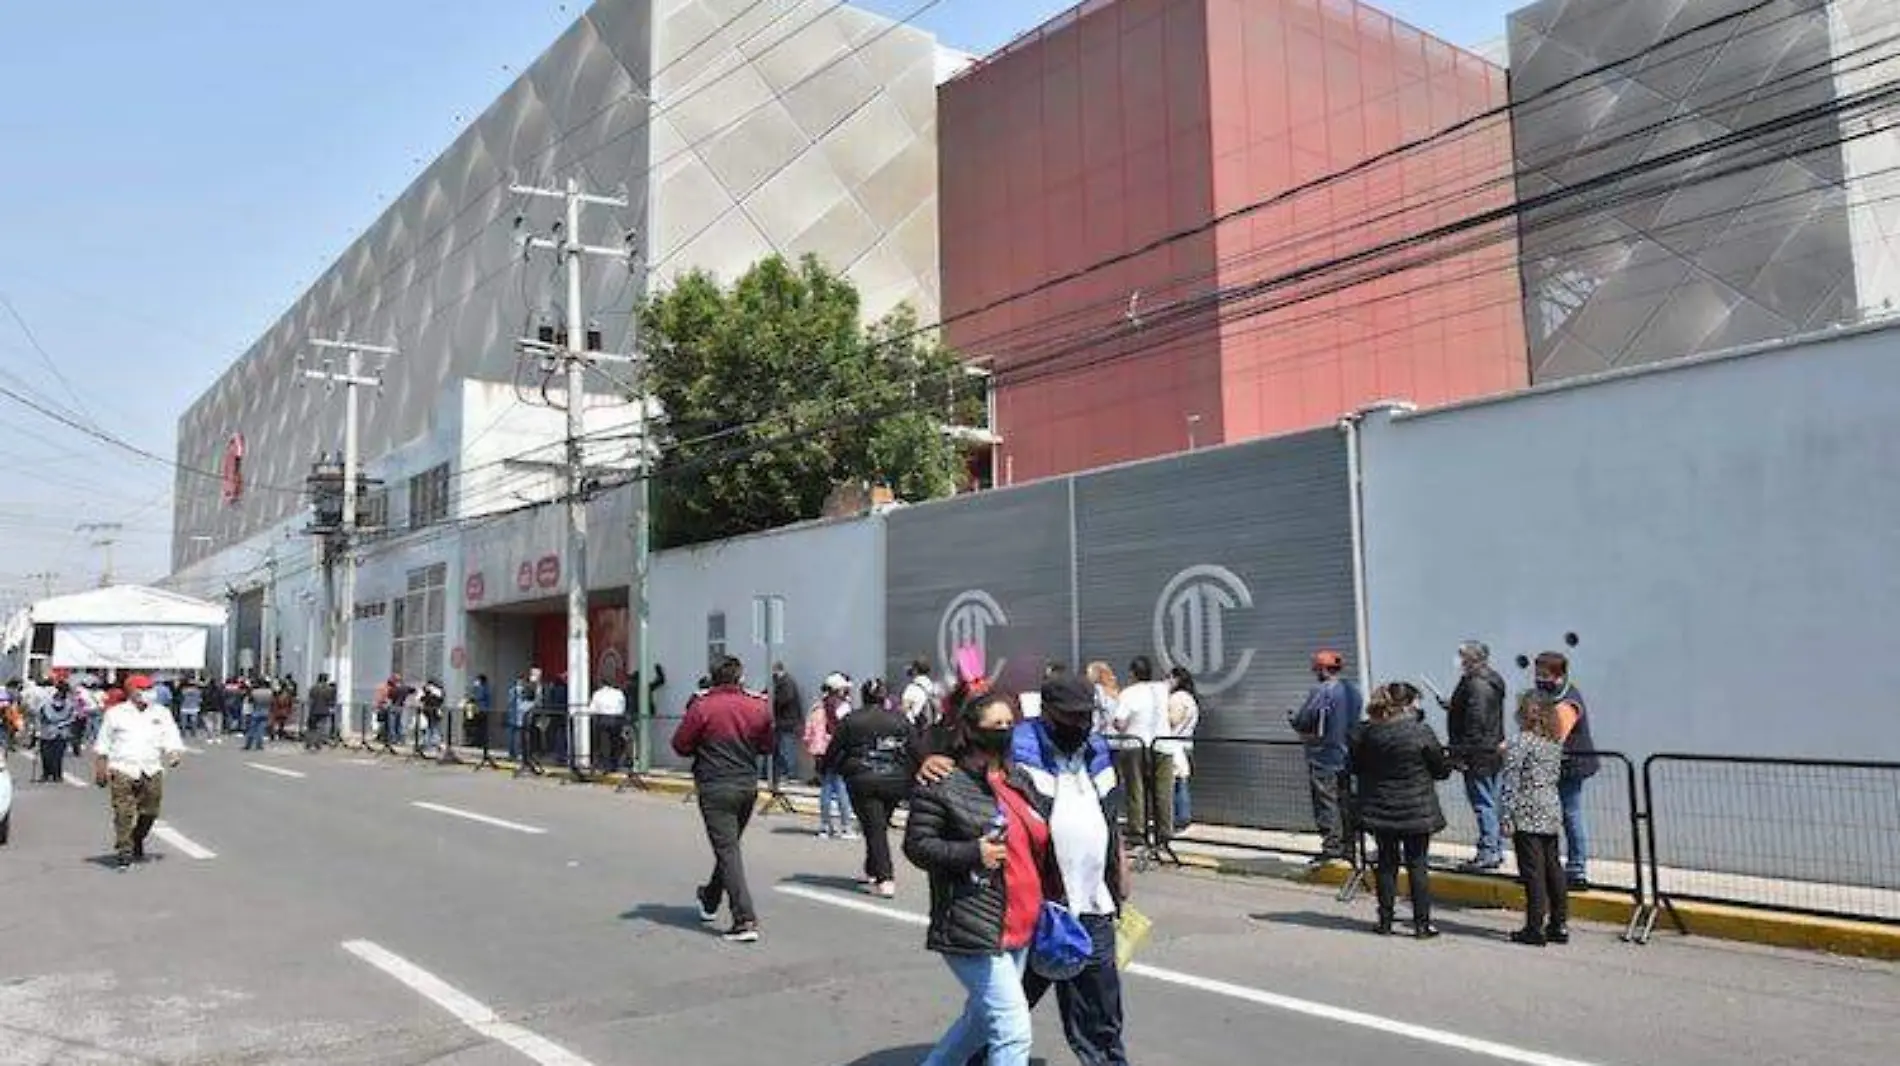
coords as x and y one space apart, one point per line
106 541
46 579
566 242
343 615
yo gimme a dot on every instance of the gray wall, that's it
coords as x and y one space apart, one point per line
1720 535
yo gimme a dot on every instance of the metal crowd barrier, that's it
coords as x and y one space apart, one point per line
551 740
1803 836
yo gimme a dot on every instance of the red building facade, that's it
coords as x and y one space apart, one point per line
1148 234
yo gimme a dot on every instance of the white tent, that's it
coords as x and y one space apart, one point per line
124 626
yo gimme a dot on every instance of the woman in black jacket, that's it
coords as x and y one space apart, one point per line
1396 764
873 751
980 836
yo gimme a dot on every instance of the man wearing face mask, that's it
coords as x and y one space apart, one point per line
1072 771
1580 760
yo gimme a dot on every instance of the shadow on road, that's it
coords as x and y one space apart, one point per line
1362 923
831 881
672 914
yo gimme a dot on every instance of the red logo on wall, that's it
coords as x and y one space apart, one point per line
475 587
524 577
547 572
233 469
458 657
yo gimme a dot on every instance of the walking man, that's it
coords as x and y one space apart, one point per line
1322 722
788 723
1474 728
137 742
316 730
725 731
1552 671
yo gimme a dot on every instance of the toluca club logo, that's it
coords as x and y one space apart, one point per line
967 621
1190 626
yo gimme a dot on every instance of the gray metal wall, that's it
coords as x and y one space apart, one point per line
1235 562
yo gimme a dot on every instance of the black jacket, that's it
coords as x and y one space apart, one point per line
872 747
788 706
1474 722
947 820
1395 764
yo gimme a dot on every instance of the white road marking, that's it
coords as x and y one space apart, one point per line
361 762
278 770
1325 1011
457 812
193 751
466 1009
184 844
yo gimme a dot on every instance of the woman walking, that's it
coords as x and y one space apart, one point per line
820 726
1533 813
874 753
56 716
1396 761
980 836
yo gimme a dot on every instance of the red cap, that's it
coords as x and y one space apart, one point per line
138 681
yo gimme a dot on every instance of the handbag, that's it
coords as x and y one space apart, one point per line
1062 946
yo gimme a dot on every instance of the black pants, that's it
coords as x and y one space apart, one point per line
1090 1002
1413 848
52 759
317 730
1546 892
1326 785
874 800
726 811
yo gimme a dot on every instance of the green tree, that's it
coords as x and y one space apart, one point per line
773 393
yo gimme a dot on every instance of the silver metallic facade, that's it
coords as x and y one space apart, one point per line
1648 249
736 129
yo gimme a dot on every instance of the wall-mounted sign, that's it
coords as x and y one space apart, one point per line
475 588
524 577
371 610
458 657
232 470
547 571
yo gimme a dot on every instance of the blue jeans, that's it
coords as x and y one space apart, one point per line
254 730
1183 804
514 741
1482 791
995 1016
785 756
1576 834
833 791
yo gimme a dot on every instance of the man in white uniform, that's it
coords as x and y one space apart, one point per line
137 741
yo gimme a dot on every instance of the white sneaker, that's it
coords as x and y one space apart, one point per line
887 889
848 835
742 934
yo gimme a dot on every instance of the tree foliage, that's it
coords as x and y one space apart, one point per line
773 393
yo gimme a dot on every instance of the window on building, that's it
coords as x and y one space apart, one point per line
372 510
715 638
429 497
418 621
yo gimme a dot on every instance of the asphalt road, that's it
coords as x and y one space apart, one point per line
333 920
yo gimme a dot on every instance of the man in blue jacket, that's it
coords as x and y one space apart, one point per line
1322 723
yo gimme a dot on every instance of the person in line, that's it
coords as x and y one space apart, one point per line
1396 761
1184 717
606 722
1533 812
979 834
283 707
1323 722
316 730
1552 671
919 700
191 701
788 719
263 697
213 712
138 741
1474 728
522 698
1071 767
1141 714
874 752
481 701
834 802
53 729
724 732
430 701
1108 692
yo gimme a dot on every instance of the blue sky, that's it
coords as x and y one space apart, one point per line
175 174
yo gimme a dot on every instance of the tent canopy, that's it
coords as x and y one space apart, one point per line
127 605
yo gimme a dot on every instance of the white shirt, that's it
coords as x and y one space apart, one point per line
1176 740
608 702
1142 710
135 740
917 699
1079 833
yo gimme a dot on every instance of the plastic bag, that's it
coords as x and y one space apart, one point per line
1131 930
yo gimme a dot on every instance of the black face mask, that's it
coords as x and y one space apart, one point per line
993 742
1068 736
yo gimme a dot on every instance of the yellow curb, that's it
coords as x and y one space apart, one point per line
1838 936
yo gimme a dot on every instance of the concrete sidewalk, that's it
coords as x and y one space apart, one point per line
1262 853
